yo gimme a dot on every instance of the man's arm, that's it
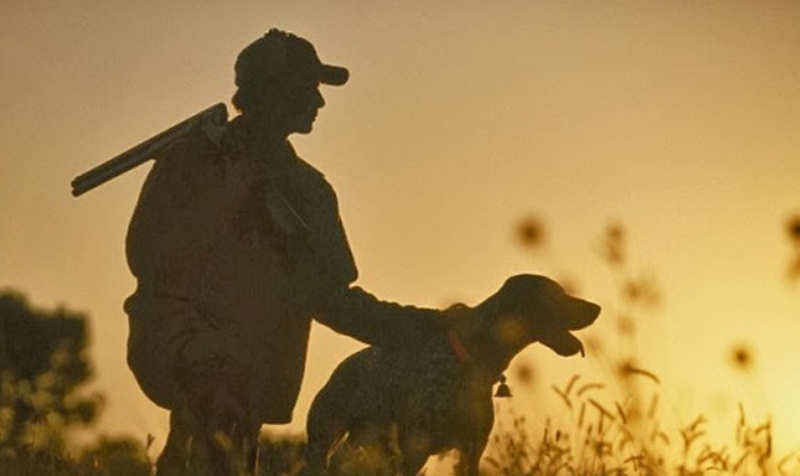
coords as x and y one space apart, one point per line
327 269
357 313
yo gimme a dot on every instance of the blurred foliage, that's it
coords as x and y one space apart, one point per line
793 232
530 233
742 357
119 456
793 227
607 439
43 363
281 456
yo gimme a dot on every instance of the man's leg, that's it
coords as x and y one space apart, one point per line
186 451
211 435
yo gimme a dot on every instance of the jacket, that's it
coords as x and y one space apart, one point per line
212 259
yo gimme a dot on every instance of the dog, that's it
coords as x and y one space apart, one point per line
439 398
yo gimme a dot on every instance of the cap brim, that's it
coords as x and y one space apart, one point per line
333 75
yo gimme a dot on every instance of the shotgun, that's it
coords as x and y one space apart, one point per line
210 120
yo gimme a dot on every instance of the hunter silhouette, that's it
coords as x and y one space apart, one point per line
237 244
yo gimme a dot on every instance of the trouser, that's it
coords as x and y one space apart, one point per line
211 432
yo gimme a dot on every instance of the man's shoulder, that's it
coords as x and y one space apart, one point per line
187 163
310 172
310 176
190 152
196 145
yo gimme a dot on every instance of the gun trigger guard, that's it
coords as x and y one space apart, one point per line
214 132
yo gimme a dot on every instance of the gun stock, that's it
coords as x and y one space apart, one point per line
210 119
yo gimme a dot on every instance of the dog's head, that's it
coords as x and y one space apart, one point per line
531 308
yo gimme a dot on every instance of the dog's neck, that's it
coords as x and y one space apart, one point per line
456 343
474 343
493 356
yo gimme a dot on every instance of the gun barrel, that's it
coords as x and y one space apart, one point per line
215 115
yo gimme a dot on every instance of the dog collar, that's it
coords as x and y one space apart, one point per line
458 346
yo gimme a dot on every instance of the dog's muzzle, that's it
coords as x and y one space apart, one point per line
577 315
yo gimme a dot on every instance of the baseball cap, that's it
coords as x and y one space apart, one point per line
280 53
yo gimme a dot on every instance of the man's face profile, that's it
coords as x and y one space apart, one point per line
305 100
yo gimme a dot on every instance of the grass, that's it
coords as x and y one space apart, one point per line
594 438
630 438
107 457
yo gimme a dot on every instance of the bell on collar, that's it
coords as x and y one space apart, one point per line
502 390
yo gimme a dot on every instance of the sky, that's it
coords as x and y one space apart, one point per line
678 120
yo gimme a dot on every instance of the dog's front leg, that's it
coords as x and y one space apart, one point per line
479 420
470 458
416 448
471 449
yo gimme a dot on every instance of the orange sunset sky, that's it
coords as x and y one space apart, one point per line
680 120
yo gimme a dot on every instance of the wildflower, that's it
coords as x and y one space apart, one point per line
524 374
741 357
614 245
530 232
794 229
